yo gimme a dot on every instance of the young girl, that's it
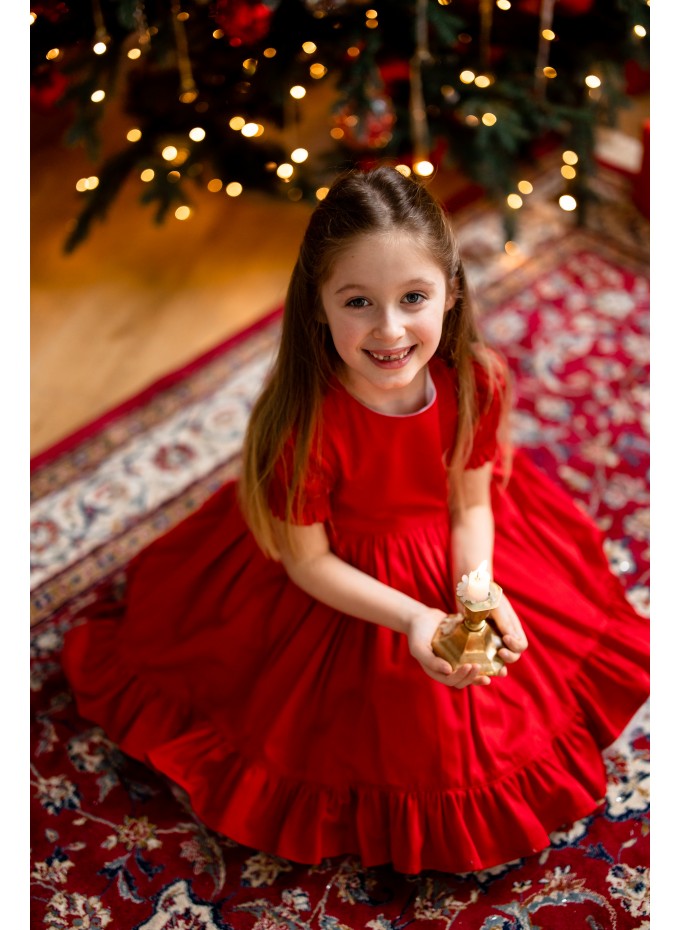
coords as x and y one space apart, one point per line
273 655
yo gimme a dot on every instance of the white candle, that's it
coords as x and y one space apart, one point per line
479 584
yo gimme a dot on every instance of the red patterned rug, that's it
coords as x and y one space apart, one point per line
115 846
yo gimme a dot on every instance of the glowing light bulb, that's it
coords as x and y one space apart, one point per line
353 51
81 185
285 171
568 172
472 120
308 47
548 34
183 212
134 53
467 77
321 193
297 91
249 130
337 133
482 80
567 202
371 14
549 72
174 176
318 70
134 135
147 175
269 52
237 123
52 54
424 168
214 185
371 23
33 18
488 119
217 34
592 80
299 155
514 201
403 169
233 189
99 48
569 157
503 4
525 187
197 134
97 96
640 31
169 153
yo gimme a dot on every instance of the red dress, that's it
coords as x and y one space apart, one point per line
309 734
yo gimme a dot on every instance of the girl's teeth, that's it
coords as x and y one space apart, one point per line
391 358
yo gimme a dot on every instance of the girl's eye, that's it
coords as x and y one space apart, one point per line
357 302
413 297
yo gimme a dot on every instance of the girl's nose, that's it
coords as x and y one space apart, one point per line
389 324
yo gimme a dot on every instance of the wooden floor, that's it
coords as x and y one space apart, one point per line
137 300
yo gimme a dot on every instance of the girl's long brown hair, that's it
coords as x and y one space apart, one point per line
358 203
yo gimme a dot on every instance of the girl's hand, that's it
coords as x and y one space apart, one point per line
514 638
420 632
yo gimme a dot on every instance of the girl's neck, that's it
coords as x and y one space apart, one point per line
420 394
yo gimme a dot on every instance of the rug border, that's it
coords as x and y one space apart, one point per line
70 441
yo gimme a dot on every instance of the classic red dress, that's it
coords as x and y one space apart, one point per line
308 734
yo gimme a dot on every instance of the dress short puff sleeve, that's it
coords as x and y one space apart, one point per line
489 402
311 503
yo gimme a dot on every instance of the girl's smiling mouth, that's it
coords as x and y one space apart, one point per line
391 359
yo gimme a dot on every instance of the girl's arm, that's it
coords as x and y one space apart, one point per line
310 563
473 540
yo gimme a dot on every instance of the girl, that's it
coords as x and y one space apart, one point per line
273 655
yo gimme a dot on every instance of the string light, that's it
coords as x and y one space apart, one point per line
569 157
87 184
318 70
308 47
467 77
548 35
197 134
217 34
403 169
482 80
568 172
233 189
567 202
237 123
285 171
249 130
183 213
97 96
371 14
33 18
353 51
423 168
488 119
337 133
503 4
321 193
299 155
592 80
52 54
514 201
134 135
269 52
525 187
549 72
99 48
640 31
134 53
371 23
250 65
169 153
297 91
472 120
174 176
214 185
147 175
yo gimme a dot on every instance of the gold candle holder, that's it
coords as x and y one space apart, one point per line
471 637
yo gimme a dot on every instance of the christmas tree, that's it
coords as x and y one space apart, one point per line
220 92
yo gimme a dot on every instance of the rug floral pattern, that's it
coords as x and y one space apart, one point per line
115 846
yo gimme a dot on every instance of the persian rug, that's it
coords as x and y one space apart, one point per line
114 845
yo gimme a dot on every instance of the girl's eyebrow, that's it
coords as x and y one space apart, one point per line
405 285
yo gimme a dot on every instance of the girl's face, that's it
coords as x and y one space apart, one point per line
384 303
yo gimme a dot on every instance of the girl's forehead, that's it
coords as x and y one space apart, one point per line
380 251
